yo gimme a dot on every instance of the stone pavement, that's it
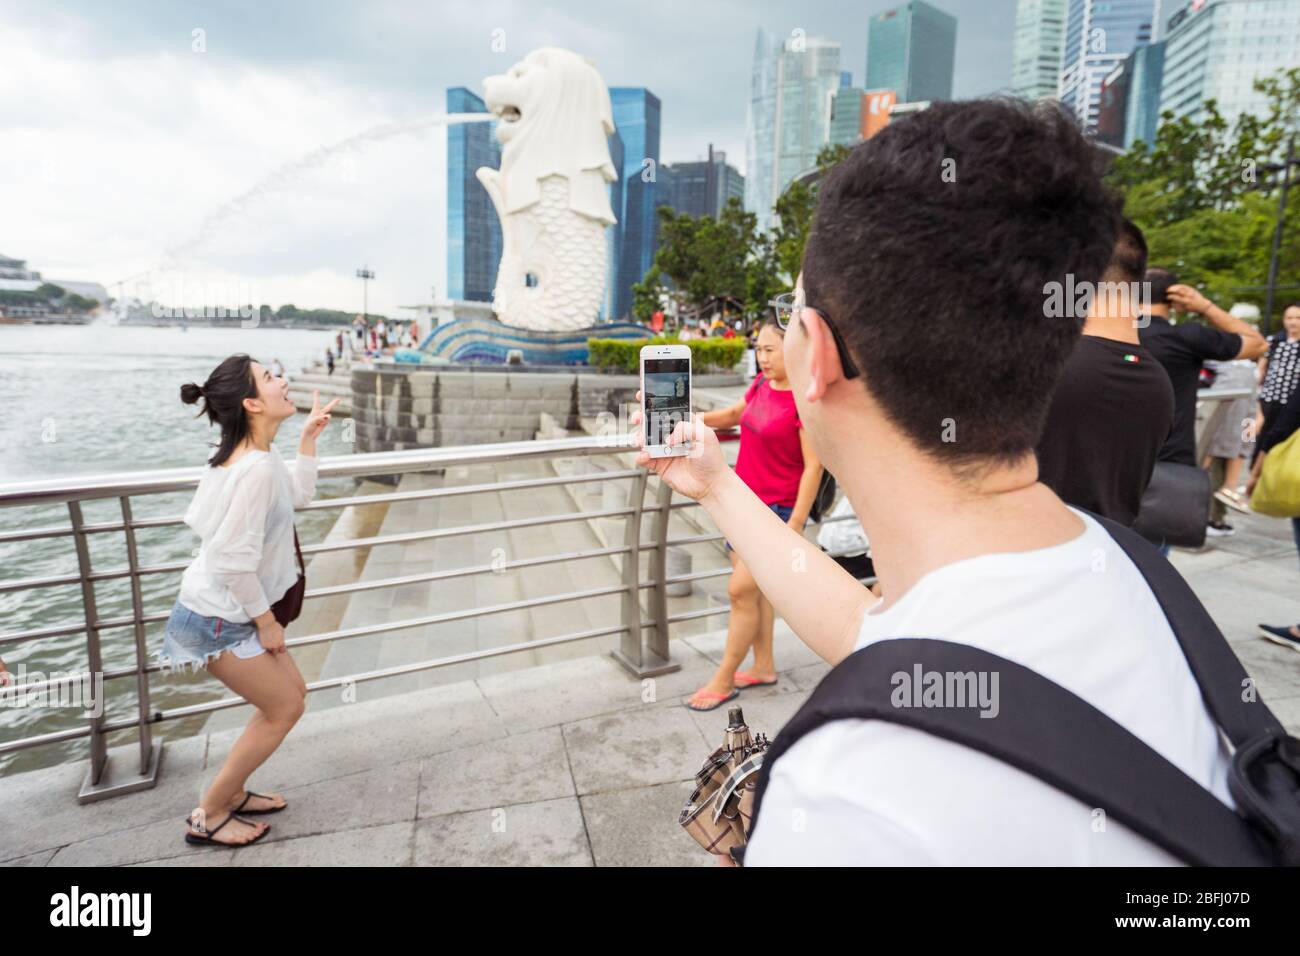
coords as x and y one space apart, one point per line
570 763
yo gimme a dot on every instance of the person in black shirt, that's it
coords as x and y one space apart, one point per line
1113 406
1183 348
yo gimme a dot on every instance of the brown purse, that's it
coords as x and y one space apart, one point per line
720 810
289 607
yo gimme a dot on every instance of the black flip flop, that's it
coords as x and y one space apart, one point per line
249 796
199 839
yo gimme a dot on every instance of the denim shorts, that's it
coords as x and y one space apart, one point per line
782 511
195 640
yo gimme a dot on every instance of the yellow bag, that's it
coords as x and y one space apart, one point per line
1278 491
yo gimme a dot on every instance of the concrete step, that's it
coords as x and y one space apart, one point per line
427 642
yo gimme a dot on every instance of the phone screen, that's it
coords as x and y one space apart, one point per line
667 397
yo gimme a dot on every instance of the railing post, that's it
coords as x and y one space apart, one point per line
150 750
99 782
633 654
659 571
94 661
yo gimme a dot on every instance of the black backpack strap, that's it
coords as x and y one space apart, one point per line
1217 670
1040 728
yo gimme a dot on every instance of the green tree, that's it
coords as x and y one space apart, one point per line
80 303
706 263
648 294
1197 193
794 212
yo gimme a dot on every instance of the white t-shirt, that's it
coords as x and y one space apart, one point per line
864 792
244 516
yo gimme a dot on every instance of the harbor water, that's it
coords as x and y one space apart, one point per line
93 399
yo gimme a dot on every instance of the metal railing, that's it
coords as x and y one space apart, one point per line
643 642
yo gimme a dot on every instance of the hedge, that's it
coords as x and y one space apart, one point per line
624 355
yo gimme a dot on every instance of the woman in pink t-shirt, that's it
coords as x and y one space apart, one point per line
776 460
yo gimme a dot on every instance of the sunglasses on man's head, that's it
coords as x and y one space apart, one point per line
790 304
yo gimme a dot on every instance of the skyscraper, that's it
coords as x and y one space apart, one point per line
1142 115
614 233
910 50
1036 50
1217 50
1099 34
1112 104
473 229
636 117
847 106
789 114
700 188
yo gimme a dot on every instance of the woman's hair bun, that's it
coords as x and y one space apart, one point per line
191 393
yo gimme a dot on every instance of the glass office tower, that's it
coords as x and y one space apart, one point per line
636 117
791 89
1217 50
1099 35
700 188
1036 50
846 116
1142 115
614 234
473 229
910 50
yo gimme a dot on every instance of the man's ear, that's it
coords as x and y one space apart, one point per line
824 368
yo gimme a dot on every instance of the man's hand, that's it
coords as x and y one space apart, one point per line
694 474
1186 298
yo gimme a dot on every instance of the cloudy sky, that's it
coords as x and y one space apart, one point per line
131 144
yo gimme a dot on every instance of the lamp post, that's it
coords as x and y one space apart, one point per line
365 275
1285 183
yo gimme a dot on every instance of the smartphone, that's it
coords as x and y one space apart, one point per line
665 396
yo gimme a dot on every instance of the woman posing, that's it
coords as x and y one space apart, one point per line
778 463
243 512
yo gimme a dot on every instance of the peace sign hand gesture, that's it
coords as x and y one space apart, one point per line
315 424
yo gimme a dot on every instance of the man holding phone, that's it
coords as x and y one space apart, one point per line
922 363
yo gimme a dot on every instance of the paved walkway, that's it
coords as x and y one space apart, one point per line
572 762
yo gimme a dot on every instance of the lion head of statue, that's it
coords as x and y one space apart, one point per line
555 119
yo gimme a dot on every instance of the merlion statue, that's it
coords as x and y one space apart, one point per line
552 190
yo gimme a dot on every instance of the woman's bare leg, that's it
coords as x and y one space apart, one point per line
265 683
742 628
1232 474
764 662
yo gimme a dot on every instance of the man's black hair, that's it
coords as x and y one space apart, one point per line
1161 279
934 249
1128 263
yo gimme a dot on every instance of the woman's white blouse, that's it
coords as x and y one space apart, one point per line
244 516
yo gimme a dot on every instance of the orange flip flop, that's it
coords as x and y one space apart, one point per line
743 679
719 699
